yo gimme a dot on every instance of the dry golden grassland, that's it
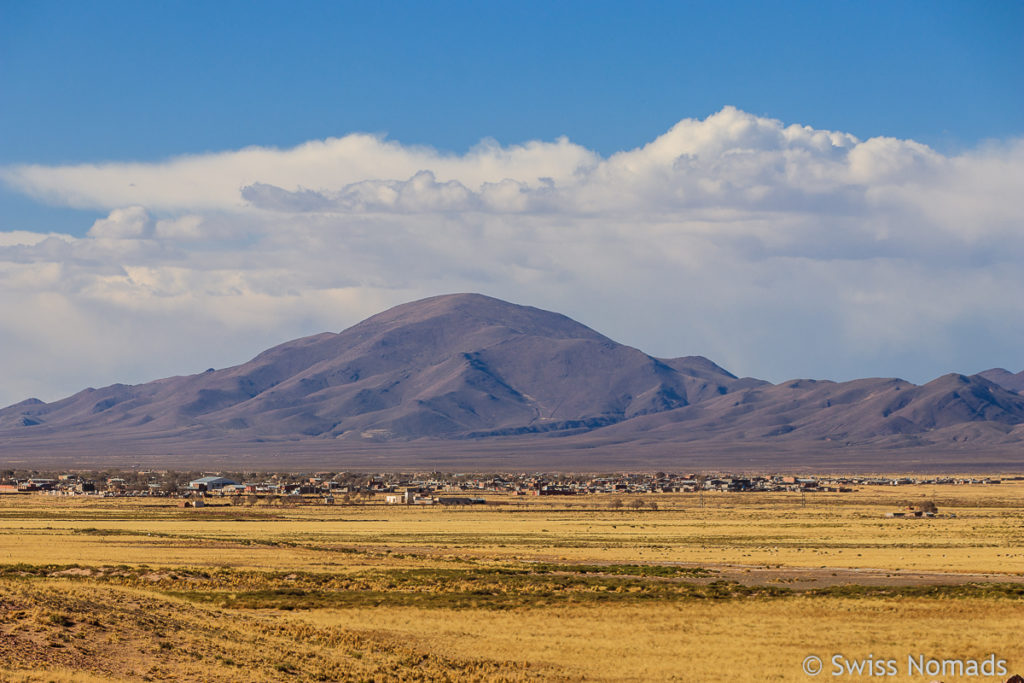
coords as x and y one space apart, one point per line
713 587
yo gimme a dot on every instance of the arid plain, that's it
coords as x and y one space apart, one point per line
713 586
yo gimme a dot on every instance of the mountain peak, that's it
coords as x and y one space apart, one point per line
471 310
452 366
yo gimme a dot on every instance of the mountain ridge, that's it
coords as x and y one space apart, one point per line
471 368
1005 378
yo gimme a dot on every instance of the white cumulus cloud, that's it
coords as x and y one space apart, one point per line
776 249
133 222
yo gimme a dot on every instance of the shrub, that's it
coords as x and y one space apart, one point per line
59 619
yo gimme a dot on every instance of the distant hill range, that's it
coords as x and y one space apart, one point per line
467 371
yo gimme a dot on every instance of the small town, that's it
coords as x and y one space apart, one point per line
434 487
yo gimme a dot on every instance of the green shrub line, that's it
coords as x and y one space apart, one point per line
503 587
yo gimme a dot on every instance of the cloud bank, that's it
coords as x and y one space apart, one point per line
777 250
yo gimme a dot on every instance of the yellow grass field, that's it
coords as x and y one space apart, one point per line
728 586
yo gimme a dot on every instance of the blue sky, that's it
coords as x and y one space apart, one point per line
108 80
84 84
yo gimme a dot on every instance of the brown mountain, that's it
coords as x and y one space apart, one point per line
881 412
453 366
469 370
